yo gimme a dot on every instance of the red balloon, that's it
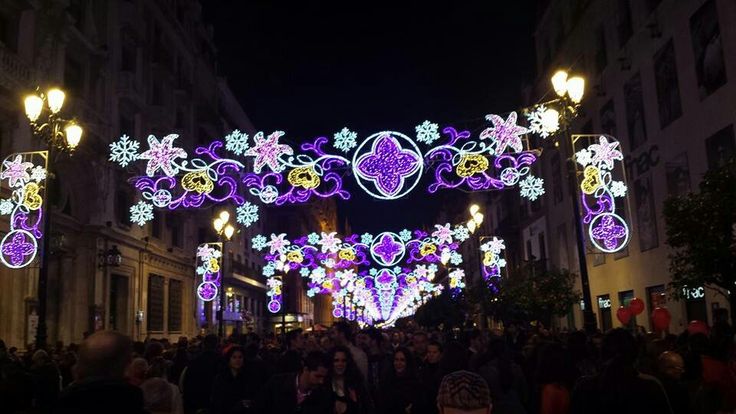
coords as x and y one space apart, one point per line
636 306
623 315
661 319
695 327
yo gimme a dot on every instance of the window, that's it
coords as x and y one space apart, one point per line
174 314
668 90
623 22
708 50
656 298
123 200
604 312
155 303
635 112
720 147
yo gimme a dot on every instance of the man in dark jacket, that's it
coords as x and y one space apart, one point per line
298 393
199 376
99 384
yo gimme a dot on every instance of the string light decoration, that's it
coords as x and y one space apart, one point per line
381 275
597 166
209 261
24 174
492 261
386 165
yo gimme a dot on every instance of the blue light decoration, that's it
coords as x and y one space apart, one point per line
602 180
209 262
25 173
371 277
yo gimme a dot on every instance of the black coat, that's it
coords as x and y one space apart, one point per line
399 393
279 397
198 379
229 392
96 395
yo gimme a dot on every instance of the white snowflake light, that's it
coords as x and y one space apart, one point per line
531 187
141 213
405 235
304 271
618 189
345 140
236 142
124 150
269 270
456 258
6 207
259 242
427 132
38 173
366 238
313 238
247 214
583 157
461 233
543 121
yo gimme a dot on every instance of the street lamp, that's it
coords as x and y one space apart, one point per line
62 135
570 91
224 232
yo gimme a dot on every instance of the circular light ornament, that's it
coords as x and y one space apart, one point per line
18 249
207 291
387 249
387 170
274 306
608 232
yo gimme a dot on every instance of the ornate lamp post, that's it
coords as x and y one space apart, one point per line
570 91
62 135
224 232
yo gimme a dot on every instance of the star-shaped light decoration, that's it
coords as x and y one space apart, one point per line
495 245
504 133
161 155
267 152
605 153
443 234
16 171
205 252
330 242
278 243
609 232
387 165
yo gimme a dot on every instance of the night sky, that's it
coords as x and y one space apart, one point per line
312 68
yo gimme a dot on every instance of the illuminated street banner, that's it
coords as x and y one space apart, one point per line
24 174
209 263
602 181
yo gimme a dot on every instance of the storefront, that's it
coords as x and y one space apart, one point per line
605 320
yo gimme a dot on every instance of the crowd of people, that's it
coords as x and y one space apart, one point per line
350 371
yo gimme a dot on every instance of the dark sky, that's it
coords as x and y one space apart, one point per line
311 68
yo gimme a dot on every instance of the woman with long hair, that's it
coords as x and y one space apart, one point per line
346 383
400 385
234 389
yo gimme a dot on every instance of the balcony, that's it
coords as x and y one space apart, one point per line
14 73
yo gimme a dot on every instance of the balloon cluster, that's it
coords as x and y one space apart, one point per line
625 313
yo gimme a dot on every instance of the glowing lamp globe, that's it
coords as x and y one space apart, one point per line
559 82
229 230
73 133
218 224
474 209
33 106
224 216
478 219
576 88
471 226
55 98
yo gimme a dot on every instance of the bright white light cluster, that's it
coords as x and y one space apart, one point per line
141 213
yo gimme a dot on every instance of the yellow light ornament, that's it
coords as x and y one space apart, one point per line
295 256
346 254
489 259
591 180
214 265
471 164
31 199
427 249
197 181
304 177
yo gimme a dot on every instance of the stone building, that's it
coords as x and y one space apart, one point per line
660 77
128 67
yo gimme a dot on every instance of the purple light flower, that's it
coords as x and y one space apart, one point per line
387 165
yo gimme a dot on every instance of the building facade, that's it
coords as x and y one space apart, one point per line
128 67
660 78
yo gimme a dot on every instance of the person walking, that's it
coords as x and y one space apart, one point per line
346 384
400 386
234 390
